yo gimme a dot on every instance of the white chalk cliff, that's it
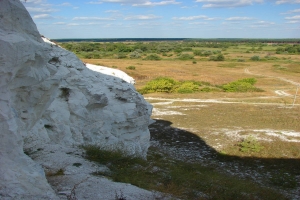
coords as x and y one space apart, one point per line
50 103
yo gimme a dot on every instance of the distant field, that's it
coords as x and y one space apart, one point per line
254 135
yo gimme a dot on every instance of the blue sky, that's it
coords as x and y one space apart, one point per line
166 18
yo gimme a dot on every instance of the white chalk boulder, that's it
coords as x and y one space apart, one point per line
49 97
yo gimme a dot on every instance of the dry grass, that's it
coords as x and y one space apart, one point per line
208 71
209 128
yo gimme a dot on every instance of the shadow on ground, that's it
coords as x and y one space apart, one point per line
280 174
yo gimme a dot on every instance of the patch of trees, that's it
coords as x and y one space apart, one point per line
146 47
290 49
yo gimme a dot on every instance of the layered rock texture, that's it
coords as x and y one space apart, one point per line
50 103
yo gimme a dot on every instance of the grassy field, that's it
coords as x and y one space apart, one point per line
251 136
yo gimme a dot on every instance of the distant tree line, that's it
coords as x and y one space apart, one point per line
183 50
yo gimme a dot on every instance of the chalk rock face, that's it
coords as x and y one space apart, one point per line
48 96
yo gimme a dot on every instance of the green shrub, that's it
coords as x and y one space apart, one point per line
252 81
206 53
131 67
168 85
153 57
187 87
243 85
121 55
206 89
185 56
218 57
255 58
160 84
135 54
87 56
197 53
250 144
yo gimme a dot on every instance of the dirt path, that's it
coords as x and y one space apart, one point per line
280 78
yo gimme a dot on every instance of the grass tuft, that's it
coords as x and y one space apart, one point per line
250 144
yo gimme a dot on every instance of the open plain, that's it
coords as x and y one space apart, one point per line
253 136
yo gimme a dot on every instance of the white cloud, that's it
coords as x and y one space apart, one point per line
291 12
188 7
94 23
296 17
65 4
231 23
294 11
138 3
73 24
112 11
287 1
93 18
95 2
198 23
227 3
59 23
212 18
161 3
40 10
42 16
293 22
262 24
142 17
265 23
190 18
124 1
238 18
35 1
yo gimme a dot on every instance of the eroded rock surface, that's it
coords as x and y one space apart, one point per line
49 98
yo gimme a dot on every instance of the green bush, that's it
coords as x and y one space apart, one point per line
250 144
121 55
251 81
243 85
218 57
207 89
197 53
206 53
135 54
153 57
161 84
255 58
186 56
168 85
187 87
131 67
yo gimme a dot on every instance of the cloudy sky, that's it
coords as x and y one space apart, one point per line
166 18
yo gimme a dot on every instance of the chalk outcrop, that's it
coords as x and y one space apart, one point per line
49 98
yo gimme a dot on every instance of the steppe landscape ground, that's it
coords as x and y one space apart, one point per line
254 136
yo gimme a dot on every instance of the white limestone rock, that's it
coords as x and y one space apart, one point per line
49 97
93 108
